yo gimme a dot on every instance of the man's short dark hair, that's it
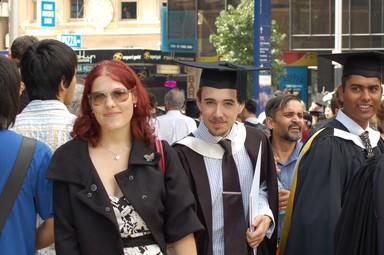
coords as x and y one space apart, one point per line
9 96
250 105
44 66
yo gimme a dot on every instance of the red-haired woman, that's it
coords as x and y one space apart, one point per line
110 195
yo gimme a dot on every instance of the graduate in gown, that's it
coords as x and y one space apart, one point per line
378 191
330 159
220 100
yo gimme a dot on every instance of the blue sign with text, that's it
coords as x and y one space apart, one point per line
72 40
262 52
48 14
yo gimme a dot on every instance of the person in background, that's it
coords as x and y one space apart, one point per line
307 127
262 116
74 106
248 116
335 105
19 234
126 13
173 125
154 103
219 158
18 47
191 110
380 119
285 120
110 195
330 159
48 69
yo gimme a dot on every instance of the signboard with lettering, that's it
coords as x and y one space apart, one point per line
179 27
262 52
46 13
93 56
296 80
72 40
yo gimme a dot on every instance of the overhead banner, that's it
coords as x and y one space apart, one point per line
87 58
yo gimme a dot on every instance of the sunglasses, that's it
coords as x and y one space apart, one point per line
117 95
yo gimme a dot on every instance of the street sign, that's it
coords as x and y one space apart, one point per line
262 52
72 40
46 13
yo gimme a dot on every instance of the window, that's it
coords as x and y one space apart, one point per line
128 10
77 9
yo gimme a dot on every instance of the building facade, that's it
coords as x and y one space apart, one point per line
101 23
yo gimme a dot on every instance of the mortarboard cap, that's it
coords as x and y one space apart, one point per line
224 75
368 63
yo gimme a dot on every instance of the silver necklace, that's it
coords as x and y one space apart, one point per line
117 156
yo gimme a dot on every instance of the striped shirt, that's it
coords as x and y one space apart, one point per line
46 120
245 171
50 122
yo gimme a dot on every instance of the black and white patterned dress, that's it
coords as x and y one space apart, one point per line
131 225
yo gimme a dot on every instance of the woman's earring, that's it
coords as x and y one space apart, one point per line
135 105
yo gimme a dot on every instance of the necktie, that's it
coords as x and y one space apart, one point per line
234 220
365 138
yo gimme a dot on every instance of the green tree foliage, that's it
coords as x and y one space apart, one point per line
235 37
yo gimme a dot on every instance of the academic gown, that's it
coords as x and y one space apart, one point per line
356 228
194 166
324 173
378 191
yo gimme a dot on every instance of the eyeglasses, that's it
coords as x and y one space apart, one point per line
117 95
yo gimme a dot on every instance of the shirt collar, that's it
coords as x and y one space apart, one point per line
43 105
355 129
252 120
173 112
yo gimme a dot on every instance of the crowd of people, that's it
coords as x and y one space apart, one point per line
108 174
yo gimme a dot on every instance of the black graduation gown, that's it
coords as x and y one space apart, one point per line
194 166
324 174
378 192
356 228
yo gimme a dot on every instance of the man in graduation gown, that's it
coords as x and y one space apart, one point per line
332 156
378 191
220 99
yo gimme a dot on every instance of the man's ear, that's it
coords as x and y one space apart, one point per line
241 107
269 122
341 93
61 85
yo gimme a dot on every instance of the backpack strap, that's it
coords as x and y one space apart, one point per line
159 149
16 178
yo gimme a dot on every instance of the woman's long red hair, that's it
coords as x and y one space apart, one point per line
87 128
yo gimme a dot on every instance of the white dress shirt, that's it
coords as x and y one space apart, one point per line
173 126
